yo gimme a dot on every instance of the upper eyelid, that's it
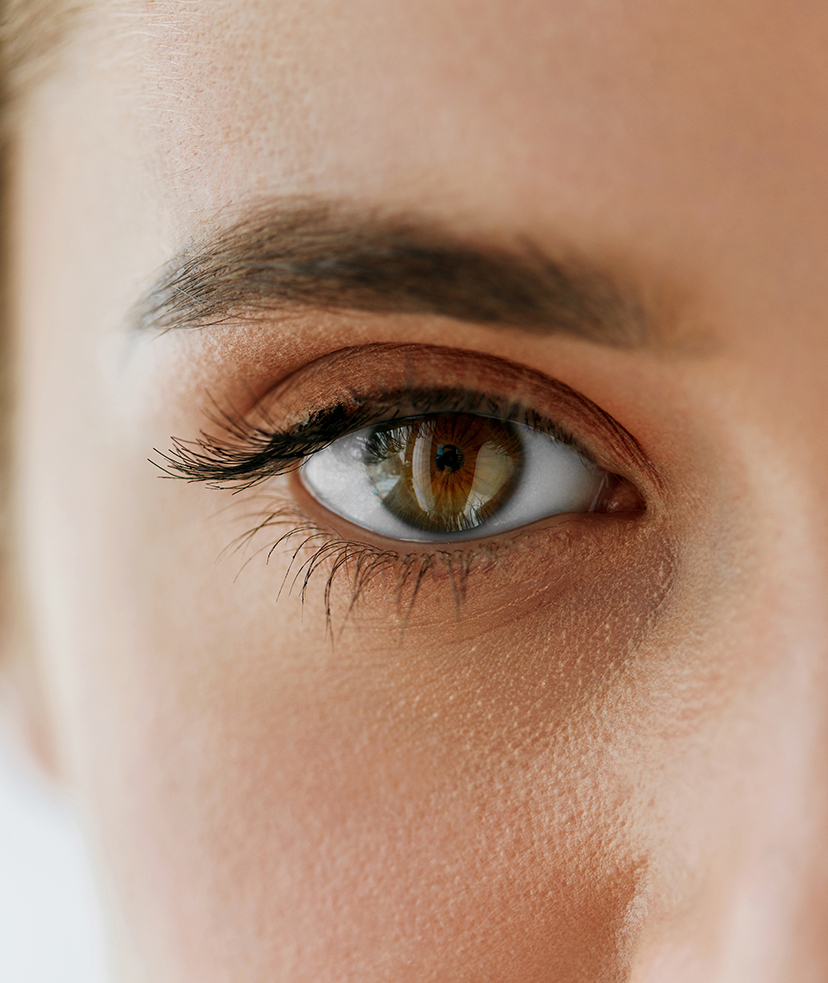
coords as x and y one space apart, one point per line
352 375
253 453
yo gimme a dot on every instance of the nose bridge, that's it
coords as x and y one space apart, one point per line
790 869
779 403
780 911
774 919
762 808
803 844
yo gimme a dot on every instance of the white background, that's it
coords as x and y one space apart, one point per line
50 924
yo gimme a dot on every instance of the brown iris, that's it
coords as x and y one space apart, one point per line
444 473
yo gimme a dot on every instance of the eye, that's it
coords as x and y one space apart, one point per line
450 476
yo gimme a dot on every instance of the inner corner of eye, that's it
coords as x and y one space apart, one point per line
456 476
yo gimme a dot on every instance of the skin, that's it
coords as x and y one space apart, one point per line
609 763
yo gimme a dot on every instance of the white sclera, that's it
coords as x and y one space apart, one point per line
554 479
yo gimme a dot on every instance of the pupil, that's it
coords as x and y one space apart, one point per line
449 458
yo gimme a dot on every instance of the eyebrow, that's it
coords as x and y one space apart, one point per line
332 257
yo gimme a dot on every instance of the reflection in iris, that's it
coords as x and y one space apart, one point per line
445 473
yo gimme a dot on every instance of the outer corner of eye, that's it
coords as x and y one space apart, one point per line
618 494
456 476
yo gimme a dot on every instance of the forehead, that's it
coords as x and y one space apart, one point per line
677 135
589 120
491 99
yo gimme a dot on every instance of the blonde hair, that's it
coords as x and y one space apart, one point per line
32 33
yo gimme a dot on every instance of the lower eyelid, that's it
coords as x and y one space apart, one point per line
616 495
328 558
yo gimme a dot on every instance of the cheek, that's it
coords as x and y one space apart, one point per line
434 796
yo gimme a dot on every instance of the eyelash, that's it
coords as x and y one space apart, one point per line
363 562
246 454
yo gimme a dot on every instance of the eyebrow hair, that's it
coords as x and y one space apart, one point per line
333 257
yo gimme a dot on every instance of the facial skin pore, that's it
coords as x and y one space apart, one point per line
606 761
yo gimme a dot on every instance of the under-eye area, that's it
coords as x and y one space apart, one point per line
325 560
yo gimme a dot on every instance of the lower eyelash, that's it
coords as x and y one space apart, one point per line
363 562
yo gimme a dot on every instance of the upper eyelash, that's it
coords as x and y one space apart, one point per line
247 454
